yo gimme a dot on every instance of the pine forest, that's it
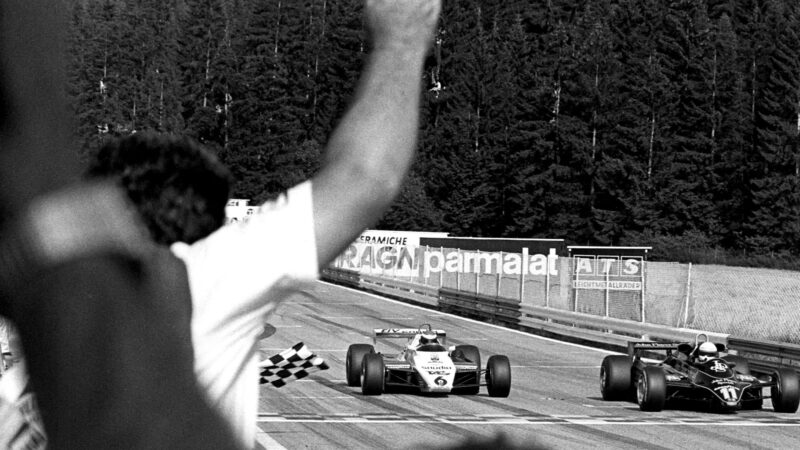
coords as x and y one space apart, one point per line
671 124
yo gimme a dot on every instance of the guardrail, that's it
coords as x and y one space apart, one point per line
764 356
601 330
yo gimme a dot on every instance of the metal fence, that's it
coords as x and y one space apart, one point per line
748 302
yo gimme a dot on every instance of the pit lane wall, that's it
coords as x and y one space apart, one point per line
542 286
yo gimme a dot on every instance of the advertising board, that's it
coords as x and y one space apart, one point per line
608 268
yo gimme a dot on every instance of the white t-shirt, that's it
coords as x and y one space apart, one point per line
237 276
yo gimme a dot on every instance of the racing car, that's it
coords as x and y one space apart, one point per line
426 363
694 372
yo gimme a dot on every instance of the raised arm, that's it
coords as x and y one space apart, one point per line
371 150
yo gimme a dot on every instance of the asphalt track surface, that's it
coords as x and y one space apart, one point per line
554 403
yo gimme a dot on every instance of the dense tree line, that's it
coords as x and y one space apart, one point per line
610 122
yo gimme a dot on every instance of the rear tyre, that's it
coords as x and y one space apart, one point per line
615 377
352 364
472 354
786 394
498 376
651 389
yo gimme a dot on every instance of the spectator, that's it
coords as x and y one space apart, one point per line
19 411
5 349
238 273
109 357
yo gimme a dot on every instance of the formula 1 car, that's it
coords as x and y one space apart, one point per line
425 363
723 383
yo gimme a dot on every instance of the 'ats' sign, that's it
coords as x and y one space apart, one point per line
608 268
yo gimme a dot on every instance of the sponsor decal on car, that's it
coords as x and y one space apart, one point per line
728 393
718 366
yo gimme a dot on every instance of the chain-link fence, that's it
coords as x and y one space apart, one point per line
746 302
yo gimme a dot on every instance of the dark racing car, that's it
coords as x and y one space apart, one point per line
694 372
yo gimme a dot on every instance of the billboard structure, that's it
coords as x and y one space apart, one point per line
609 280
385 253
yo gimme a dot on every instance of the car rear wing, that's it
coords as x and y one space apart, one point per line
637 347
403 332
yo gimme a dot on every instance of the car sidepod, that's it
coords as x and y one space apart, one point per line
467 360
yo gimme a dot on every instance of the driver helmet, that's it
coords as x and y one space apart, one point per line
428 337
707 350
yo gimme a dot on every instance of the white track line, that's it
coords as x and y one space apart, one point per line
529 422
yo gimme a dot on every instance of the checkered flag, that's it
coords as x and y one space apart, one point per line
293 363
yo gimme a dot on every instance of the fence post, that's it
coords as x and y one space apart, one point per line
522 280
608 290
394 269
499 277
426 277
574 289
688 293
458 272
547 284
477 274
441 272
644 270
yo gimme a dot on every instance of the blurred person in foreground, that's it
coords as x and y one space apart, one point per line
103 314
238 273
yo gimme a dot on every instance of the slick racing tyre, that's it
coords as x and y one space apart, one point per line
615 377
372 373
651 389
471 354
498 376
786 392
352 364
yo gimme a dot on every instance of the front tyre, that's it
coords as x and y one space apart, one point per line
498 376
615 377
651 389
372 374
352 364
786 392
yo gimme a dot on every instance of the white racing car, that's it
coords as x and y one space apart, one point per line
426 363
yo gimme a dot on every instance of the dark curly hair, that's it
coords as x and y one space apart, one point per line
179 188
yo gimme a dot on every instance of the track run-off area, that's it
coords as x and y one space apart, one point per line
555 400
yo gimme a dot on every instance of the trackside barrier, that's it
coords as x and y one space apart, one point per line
597 329
766 356
409 292
415 293
763 356
347 278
